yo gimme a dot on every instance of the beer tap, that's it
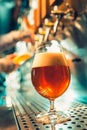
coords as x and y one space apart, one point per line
70 12
58 14
48 25
39 37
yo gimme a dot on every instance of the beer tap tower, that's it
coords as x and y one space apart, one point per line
53 23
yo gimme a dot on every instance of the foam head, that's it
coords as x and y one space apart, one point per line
49 59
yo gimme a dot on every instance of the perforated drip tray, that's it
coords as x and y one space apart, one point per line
26 107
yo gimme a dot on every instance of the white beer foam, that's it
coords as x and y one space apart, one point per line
49 59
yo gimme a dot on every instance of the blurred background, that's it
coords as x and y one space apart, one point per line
69 19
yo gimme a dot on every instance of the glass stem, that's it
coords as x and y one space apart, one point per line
52 115
52 105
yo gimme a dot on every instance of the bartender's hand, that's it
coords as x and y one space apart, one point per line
22 36
9 40
6 64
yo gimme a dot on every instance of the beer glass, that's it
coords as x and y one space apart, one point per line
50 77
22 53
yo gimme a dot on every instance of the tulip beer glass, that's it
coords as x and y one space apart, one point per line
50 76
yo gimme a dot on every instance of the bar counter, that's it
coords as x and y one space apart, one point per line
19 108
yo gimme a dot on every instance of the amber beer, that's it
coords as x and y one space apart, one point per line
19 59
50 74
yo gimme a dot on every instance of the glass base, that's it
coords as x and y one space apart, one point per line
53 117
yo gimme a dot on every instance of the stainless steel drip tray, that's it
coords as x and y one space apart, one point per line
26 106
